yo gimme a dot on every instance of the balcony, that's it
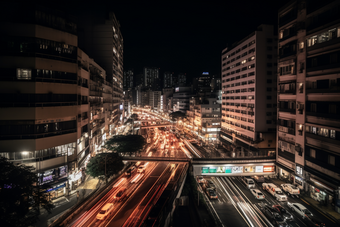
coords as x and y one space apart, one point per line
290 91
284 129
324 115
291 111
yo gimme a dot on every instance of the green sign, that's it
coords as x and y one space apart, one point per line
227 169
212 170
205 169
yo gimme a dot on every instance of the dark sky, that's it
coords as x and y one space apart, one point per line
187 37
183 36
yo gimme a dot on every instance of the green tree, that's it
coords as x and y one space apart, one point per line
96 166
20 195
128 144
177 115
134 116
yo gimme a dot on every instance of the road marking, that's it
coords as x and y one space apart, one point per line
305 201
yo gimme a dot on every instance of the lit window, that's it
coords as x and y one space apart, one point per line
302 45
24 74
312 153
332 134
331 160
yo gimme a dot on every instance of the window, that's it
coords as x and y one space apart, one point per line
269 48
269 64
268 121
314 130
313 107
269 73
24 74
269 81
269 105
269 98
332 134
269 56
331 160
301 45
269 89
312 153
269 113
332 108
323 132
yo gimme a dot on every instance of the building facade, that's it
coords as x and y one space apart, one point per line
167 80
128 82
151 78
249 93
308 130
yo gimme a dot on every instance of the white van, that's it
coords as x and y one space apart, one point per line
105 211
248 182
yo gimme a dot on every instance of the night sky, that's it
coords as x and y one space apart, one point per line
182 37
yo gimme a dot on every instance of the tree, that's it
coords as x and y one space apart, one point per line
176 115
20 195
96 166
125 144
134 116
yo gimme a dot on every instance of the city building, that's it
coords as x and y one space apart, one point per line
155 100
167 93
182 80
100 37
249 94
151 78
308 131
44 105
128 80
180 99
167 79
202 84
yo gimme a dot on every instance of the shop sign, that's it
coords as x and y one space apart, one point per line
268 169
258 169
212 170
205 169
62 171
298 180
317 190
228 169
75 176
237 169
299 170
249 169
56 188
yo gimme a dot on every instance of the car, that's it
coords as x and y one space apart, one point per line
257 194
106 209
200 179
259 179
141 169
273 216
291 190
308 217
283 212
210 184
211 193
248 182
130 171
121 194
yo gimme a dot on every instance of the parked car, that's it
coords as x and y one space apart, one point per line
257 193
210 184
106 209
283 212
291 190
211 193
273 216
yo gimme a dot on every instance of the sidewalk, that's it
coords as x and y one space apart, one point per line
62 204
328 210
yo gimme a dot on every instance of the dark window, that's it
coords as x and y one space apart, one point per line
269 98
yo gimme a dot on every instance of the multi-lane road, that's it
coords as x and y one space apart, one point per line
237 206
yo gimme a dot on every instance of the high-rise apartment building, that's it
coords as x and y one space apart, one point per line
128 79
249 93
43 95
100 37
151 78
167 80
182 79
308 131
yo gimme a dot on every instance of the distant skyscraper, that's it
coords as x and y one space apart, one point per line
167 79
182 79
138 80
128 79
151 78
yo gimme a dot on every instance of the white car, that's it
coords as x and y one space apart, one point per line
257 193
300 209
291 190
105 211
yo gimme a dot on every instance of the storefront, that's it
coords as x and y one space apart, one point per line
75 179
320 192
